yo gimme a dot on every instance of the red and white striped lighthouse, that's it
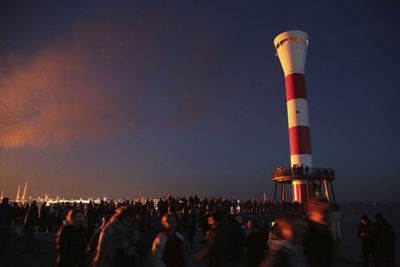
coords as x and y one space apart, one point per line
291 47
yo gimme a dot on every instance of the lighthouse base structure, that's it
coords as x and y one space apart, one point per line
307 184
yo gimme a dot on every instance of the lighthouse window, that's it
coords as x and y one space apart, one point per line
297 111
292 39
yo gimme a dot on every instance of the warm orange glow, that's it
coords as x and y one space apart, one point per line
56 97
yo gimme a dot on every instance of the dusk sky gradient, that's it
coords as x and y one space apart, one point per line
145 98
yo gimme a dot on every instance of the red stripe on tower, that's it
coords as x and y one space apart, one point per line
299 137
295 86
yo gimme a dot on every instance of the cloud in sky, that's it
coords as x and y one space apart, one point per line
53 98
87 85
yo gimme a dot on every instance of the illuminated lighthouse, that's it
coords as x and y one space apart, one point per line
307 182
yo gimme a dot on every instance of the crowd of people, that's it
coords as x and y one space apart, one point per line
301 171
161 233
52 215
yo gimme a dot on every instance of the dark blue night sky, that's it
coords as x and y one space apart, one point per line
146 98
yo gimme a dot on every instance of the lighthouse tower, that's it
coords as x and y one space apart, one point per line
291 48
307 182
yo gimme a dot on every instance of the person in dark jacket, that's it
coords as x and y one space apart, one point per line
265 228
44 218
364 232
383 238
31 221
256 244
168 246
286 244
118 240
191 225
71 243
225 242
91 218
94 240
319 243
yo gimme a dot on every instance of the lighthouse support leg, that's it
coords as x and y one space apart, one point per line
327 191
333 193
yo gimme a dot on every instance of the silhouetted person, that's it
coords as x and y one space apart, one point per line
364 232
51 218
91 218
383 238
71 241
256 244
5 222
31 221
94 240
294 169
286 246
118 239
212 223
319 243
225 242
162 207
265 229
168 246
43 218
191 225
